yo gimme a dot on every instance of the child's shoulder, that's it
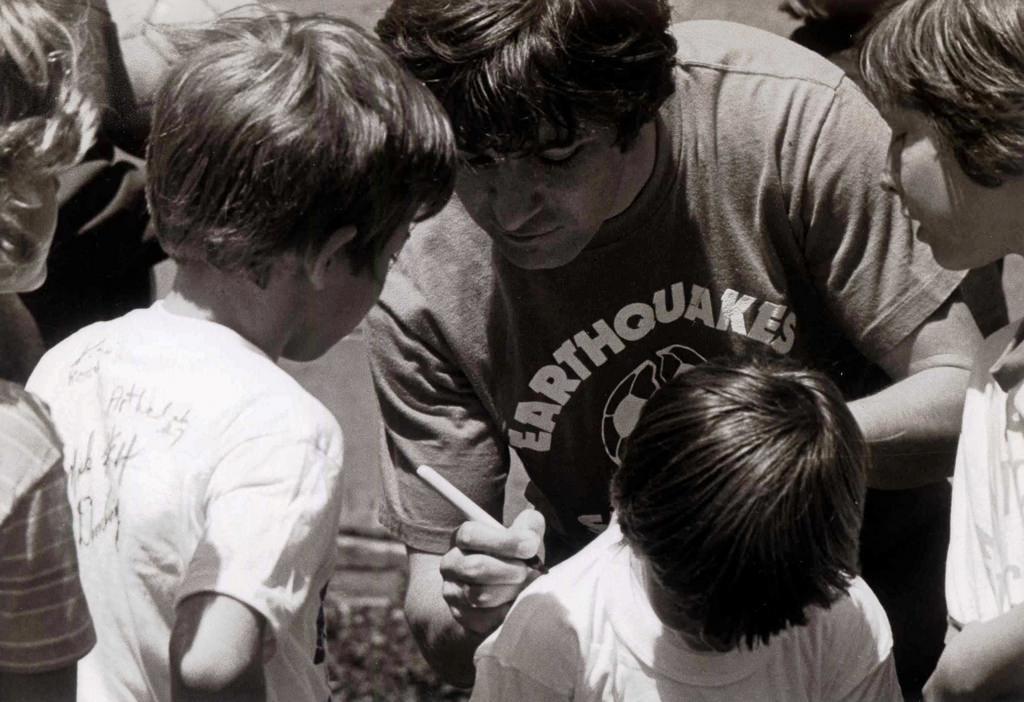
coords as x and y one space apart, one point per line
562 608
857 620
28 444
155 357
586 564
577 590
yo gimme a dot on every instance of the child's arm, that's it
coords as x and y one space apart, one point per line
216 651
985 661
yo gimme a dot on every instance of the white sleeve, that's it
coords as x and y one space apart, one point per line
270 522
861 651
534 655
496 682
877 685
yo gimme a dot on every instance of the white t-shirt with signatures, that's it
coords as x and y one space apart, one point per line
195 464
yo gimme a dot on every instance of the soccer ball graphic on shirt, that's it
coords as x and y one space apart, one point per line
622 410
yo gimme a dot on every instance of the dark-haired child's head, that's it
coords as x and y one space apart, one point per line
948 76
518 75
274 132
47 121
741 489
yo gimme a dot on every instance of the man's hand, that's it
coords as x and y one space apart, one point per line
453 602
486 570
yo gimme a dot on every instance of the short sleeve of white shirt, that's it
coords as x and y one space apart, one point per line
864 670
533 656
270 524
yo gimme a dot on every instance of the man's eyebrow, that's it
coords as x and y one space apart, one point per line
563 141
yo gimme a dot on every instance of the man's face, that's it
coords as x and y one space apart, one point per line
966 224
543 209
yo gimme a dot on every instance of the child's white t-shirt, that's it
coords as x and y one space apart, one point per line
586 632
985 566
195 464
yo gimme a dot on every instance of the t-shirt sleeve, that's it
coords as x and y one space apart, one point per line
877 279
534 655
432 415
863 669
270 521
44 620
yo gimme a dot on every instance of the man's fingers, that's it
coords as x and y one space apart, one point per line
467 597
481 569
522 540
530 520
481 621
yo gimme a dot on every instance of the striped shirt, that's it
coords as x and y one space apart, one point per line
44 621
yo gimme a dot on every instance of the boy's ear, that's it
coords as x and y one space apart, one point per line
318 264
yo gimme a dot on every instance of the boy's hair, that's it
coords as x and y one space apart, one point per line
506 68
960 63
276 130
743 486
46 119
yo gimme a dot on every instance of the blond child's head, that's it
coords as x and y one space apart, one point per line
948 76
46 123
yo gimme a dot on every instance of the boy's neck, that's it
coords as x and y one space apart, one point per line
665 608
262 316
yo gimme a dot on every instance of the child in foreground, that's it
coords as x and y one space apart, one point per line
287 159
948 76
729 572
46 124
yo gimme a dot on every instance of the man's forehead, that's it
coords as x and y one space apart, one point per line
549 138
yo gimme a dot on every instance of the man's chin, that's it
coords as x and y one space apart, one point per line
538 258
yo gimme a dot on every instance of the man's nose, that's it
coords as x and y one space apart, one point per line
515 196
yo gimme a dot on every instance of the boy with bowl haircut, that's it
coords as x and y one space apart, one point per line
949 78
47 121
288 157
730 570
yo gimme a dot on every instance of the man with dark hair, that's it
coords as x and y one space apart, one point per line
633 200
692 591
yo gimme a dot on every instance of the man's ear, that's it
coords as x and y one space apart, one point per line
318 264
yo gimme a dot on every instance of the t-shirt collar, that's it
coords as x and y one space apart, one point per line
640 630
